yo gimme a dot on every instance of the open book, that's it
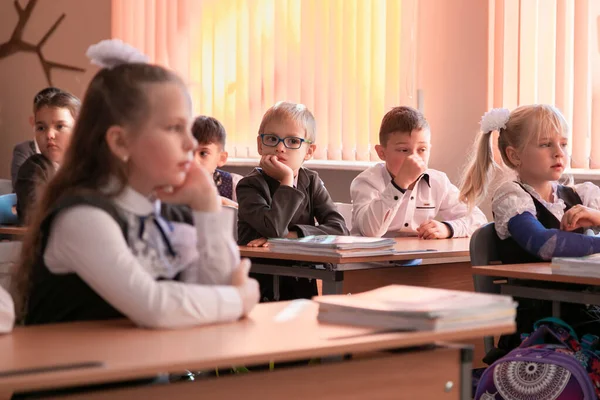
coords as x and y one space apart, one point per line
416 308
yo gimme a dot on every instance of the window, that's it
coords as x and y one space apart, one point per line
348 61
547 51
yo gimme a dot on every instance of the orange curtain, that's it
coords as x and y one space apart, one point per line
349 61
547 51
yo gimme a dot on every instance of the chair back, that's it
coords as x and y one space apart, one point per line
483 250
346 210
234 212
483 247
9 256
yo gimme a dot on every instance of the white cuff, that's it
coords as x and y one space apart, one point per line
230 303
211 221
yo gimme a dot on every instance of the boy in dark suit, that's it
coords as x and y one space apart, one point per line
281 199
26 149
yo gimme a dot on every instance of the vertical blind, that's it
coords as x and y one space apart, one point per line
348 61
547 51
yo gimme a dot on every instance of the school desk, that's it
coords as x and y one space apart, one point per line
332 270
527 280
63 355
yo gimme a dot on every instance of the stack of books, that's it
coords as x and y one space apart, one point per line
398 307
578 266
337 246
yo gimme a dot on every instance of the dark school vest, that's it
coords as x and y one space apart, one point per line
66 297
510 251
224 182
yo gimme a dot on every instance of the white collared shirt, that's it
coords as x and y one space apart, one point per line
7 312
510 200
379 208
87 241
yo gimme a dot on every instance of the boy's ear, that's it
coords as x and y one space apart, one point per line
380 151
116 138
222 159
513 156
310 152
259 145
31 120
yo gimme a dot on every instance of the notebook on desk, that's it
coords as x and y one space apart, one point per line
337 246
577 266
416 308
334 242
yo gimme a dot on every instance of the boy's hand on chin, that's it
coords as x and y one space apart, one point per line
412 168
277 170
198 190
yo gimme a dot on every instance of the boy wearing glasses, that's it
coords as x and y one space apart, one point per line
281 198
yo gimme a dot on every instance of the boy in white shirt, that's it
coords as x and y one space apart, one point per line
402 197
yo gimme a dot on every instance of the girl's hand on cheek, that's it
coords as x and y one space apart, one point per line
198 191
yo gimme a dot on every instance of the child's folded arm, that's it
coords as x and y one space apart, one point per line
212 259
532 236
269 220
114 273
373 210
331 222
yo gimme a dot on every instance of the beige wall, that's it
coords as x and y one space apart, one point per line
453 46
21 75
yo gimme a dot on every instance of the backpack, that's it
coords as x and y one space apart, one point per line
550 364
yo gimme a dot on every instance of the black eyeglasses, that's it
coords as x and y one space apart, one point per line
290 142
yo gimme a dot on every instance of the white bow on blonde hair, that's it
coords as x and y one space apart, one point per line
494 120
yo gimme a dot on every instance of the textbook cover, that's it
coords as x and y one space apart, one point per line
582 266
416 308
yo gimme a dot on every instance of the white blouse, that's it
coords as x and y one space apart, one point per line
89 242
510 200
7 312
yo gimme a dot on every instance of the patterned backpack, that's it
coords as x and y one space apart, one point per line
550 364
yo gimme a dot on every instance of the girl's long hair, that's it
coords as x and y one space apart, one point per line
116 96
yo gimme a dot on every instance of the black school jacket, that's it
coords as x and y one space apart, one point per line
268 209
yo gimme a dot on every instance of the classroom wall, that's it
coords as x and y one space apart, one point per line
21 74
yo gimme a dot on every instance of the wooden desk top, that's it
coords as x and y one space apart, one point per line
446 248
13 230
536 271
274 331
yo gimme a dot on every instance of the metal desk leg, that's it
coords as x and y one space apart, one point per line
276 294
335 285
466 376
556 309
485 284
